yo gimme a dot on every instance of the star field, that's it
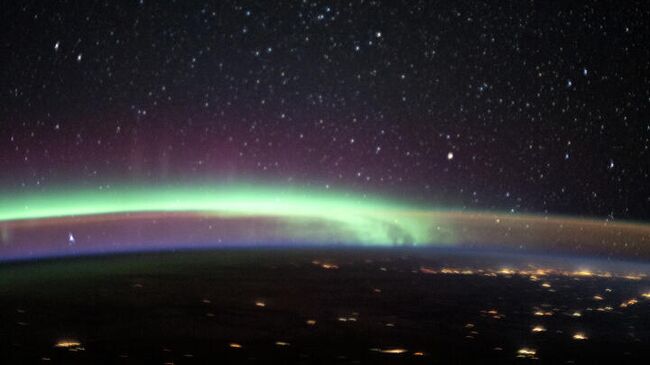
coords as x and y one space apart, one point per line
517 106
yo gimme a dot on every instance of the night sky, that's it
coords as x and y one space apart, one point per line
523 107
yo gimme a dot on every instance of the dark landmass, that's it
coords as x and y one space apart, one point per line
322 306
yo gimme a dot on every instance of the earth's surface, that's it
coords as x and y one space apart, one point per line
323 306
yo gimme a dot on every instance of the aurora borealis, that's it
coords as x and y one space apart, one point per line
368 221
137 125
68 222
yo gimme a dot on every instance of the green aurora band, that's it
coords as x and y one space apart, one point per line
354 218
32 224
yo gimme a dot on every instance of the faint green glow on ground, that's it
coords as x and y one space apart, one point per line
353 218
